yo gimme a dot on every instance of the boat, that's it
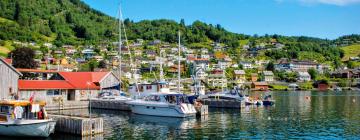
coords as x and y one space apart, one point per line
17 119
249 101
113 97
337 89
268 101
163 104
226 95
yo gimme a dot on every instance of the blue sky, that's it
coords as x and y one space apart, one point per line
317 18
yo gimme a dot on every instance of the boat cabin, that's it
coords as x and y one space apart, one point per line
154 87
21 109
168 98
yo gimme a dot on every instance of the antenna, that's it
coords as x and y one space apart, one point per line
179 64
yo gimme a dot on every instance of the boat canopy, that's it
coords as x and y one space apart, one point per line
20 103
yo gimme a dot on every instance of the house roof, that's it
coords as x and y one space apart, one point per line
268 73
44 84
239 72
260 83
73 80
80 80
9 65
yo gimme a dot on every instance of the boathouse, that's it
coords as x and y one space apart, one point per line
69 86
260 86
9 77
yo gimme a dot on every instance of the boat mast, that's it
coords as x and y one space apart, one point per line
179 63
120 42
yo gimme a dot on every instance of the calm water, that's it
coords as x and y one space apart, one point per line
324 115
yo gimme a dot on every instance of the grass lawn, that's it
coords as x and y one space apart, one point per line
351 51
278 87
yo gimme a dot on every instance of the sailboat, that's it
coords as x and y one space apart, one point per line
164 102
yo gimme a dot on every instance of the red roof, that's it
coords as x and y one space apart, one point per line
80 80
7 60
73 80
44 84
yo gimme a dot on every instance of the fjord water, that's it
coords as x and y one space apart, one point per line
296 115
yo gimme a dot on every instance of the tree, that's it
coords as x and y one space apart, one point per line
102 64
270 66
313 73
23 58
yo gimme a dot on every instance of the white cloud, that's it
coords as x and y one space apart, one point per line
333 2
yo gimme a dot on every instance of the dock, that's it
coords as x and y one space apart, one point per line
113 105
220 103
66 105
78 125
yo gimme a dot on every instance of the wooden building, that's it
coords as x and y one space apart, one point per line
69 86
9 77
262 86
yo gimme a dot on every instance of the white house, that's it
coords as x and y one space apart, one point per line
269 76
304 76
9 77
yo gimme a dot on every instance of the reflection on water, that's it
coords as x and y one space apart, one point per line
296 115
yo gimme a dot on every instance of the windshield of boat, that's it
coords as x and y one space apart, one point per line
176 99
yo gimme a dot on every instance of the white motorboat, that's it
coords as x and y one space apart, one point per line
110 96
28 128
226 95
166 105
17 119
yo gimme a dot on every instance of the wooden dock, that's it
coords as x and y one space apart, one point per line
77 125
213 103
66 105
113 105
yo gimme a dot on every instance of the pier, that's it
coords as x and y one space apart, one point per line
113 105
65 105
220 103
78 125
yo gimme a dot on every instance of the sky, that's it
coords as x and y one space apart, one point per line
316 18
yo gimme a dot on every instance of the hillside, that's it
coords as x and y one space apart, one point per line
72 22
351 51
61 21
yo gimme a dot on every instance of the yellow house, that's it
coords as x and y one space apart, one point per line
240 76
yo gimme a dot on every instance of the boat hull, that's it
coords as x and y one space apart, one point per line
159 111
268 103
28 128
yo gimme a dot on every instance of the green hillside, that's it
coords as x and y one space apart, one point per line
351 51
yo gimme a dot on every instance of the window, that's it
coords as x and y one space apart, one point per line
148 87
53 92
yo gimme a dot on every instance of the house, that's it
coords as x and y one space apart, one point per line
138 52
346 73
240 76
268 76
223 64
9 77
304 76
246 65
155 42
262 86
88 53
202 64
151 53
299 65
98 58
217 78
70 86
254 77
